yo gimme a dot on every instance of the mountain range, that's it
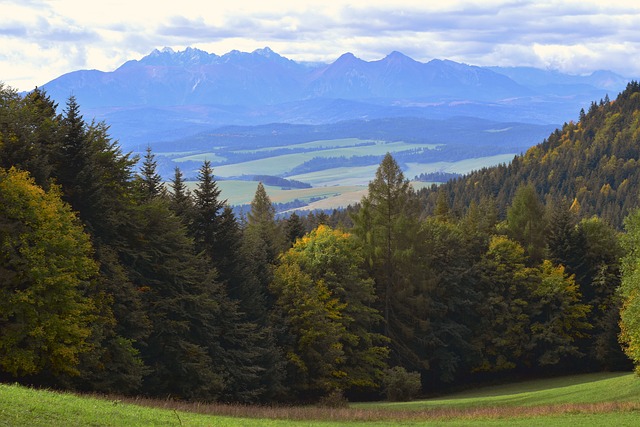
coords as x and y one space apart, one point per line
168 94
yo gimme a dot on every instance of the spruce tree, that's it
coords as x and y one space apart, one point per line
181 202
263 241
150 181
295 228
207 212
96 179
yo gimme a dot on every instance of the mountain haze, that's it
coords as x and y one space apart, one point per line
168 78
168 94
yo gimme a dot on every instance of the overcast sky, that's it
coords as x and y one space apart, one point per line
41 40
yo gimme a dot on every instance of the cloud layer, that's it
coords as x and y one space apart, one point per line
41 40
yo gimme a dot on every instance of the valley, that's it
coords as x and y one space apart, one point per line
337 161
327 125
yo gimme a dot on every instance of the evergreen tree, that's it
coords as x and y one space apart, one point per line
599 279
185 306
181 202
263 242
295 228
388 228
565 241
443 307
28 130
207 212
150 181
95 178
442 210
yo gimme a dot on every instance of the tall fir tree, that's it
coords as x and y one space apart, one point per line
96 179
150 182
207 212
181 201
262 243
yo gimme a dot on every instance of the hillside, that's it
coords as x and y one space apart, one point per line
594 161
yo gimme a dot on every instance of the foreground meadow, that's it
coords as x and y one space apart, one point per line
585 400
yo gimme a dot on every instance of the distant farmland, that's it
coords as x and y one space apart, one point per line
332 187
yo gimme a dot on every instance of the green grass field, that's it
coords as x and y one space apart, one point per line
583 400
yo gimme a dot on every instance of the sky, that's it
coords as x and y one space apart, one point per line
41 40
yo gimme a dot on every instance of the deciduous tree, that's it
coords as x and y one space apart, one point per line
46 269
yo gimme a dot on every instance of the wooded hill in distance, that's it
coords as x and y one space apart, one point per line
592 163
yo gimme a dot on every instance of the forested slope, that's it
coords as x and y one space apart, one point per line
593 161
112 282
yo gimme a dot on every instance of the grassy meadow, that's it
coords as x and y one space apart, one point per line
584 400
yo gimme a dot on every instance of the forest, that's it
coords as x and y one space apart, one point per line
113 281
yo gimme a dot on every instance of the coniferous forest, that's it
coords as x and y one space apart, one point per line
113 281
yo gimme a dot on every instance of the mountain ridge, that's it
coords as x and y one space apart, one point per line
263 77
168 93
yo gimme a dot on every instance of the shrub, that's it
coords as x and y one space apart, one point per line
335 399
400 385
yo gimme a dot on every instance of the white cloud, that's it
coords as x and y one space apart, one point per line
42 40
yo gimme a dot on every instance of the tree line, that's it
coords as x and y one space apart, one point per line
114 282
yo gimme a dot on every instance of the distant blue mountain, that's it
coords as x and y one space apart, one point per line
168 94
262 77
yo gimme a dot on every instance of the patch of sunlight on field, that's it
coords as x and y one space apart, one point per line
360 175
349 196
320 144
